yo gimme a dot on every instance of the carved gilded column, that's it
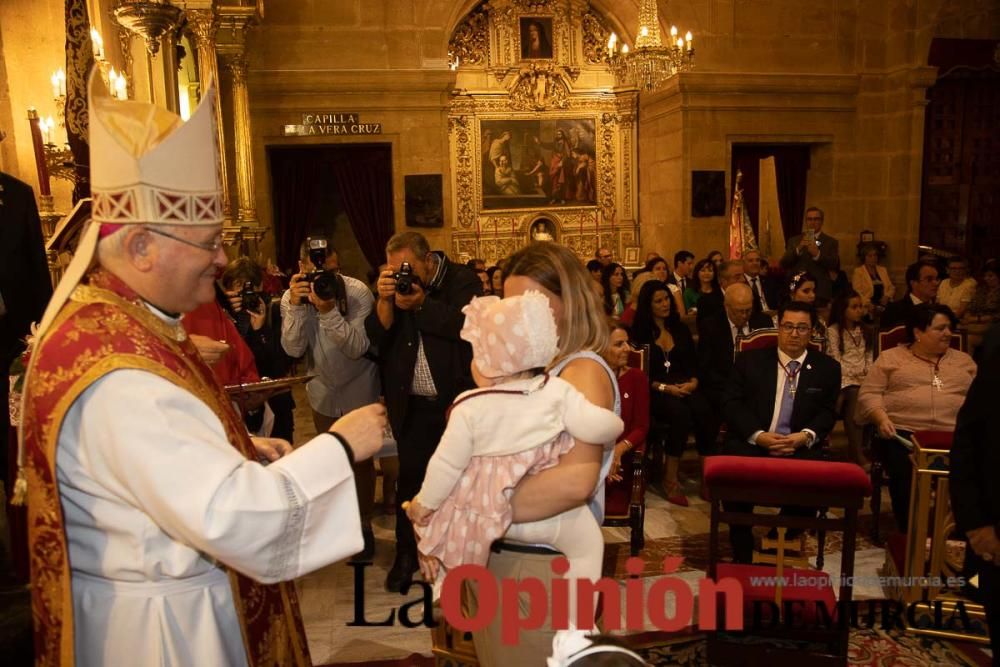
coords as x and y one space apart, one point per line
204 25
247 212
234 22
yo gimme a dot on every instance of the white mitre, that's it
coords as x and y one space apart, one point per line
147 166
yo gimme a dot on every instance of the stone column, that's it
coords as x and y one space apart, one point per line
204 25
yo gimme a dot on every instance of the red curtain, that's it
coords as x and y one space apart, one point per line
791 165
362 174
364 181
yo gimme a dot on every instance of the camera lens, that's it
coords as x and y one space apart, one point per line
325 285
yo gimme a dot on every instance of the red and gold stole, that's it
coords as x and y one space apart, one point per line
103 328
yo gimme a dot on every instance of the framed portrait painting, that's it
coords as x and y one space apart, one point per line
534 163
536 37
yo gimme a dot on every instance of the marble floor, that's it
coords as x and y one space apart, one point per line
332 609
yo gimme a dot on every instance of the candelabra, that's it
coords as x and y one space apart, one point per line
650 63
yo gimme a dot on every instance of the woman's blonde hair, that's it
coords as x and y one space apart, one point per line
558 269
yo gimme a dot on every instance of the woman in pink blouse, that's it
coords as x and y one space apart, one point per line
914 387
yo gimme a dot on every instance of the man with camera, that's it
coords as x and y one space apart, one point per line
815 252
258 320
425 364
323 319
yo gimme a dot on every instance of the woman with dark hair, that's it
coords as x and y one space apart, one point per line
634 391
495 275
802 287
915 387
716 258
673 371
707 283
850 343
615 284
661 271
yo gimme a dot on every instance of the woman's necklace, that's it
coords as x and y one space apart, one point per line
859 339
936 365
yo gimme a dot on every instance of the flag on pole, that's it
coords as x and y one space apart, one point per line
741 237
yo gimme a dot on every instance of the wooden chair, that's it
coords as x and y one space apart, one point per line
886 340
625 501
774 482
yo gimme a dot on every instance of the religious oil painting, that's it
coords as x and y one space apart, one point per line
424 202
535 163
536 37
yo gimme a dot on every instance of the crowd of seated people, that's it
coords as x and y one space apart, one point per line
691 313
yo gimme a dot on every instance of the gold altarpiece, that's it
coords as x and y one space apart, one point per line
498 79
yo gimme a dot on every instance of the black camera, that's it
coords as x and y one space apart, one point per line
405 279
327 285
250 299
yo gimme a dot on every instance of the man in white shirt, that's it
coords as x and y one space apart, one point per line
780 401
336 350
683 265
764 298
156 535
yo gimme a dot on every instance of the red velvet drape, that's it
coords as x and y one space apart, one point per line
791 164
362 174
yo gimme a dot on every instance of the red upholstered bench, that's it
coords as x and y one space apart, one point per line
773 482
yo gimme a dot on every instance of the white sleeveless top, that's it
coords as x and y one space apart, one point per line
596 503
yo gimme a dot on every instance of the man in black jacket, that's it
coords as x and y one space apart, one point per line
717 342
815 252
922 282
975 494
424 364
25 284
780 402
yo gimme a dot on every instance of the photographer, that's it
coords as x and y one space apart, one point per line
258 320
322 318
813 251
425 364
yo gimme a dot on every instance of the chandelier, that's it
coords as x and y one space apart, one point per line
650 63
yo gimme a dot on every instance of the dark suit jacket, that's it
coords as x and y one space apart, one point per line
710 304
715 351
897 312
975 454
827 260
24 273
439 322
750 395
772 294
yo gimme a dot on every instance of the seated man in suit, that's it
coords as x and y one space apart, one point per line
780 402
717 343
730 273
922 282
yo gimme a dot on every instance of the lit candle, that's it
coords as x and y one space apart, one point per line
121 88
98 44
55 84
624 48
612 41
61 79
673 31
50 126
644 31
687 38
680 43
43 125
113 83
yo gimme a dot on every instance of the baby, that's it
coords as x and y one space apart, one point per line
519 421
